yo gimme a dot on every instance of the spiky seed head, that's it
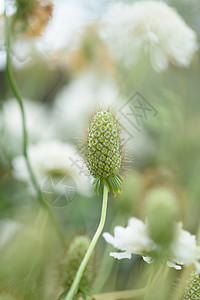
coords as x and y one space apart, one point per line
192 290
75 255
103 146
103 151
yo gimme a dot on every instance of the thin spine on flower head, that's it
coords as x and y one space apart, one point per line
103 150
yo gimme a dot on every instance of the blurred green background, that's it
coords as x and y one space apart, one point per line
63 70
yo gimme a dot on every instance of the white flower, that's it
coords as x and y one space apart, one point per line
131 239
67 23
134 239
81 95
148 27
184 250
52 157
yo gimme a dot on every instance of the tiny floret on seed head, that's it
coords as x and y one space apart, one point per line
192 290
103 151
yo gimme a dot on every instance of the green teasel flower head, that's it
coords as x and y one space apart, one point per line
192 290
75 255
103 151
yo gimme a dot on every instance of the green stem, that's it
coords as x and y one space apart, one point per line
16 92
106 264
74 287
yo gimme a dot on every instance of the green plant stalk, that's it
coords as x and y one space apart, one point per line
16 92
74 287
106 264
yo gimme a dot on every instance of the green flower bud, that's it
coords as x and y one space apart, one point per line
75 255
103 153
161 210
192 290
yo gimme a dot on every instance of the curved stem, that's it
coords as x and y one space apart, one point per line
77 279
16 92
106 264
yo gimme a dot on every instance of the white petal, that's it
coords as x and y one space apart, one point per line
119 232
197 265
148 259
129 29
173 265
109 238
132 222
121 255
184 248
158 59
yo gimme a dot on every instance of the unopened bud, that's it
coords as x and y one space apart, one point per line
161 212
75 255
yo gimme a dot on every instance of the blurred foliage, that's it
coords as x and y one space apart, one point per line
168 158
32 16
24 8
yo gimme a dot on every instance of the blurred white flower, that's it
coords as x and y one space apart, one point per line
8 229
2 44
134 239
53 157
184 250
131 239
37 119
80 97
10 5
148 28
67 23
23 52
